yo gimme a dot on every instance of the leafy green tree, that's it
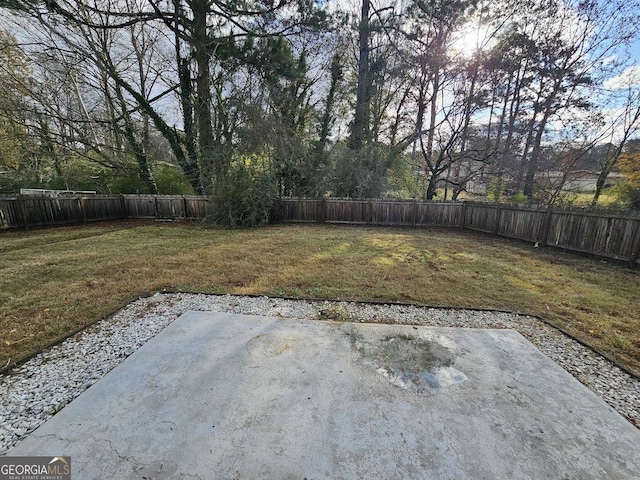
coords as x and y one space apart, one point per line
361 173
629 166
248 197
628 123
203 33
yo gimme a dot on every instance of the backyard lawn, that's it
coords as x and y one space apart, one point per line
55 281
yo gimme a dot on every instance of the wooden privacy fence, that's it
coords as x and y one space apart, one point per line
609 236
26 211
185 207
372 212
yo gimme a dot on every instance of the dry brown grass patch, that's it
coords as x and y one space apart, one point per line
57 280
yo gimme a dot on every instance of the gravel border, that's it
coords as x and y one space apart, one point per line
36 390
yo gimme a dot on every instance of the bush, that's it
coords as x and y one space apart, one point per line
629 195
495 188
171 181
359 174
12 182
403 181
519 198
125 184
245 198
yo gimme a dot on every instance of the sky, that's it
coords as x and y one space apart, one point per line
632 73
629 75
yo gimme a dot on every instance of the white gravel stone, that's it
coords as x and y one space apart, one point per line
36 390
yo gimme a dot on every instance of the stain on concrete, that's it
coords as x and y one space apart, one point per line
271 344
412 363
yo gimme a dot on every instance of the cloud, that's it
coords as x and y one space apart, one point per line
630 77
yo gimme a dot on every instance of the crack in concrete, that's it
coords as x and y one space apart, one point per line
134 462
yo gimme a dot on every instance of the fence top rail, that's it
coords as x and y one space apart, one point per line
576 210
620 216
369 200
66 197
506 206
141 195
537 209
99 196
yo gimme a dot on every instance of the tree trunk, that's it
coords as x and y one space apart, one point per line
359 126
433 113
136 146
632 116
327 116
210 170
532 164
604 173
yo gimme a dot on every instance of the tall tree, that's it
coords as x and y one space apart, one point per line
626 125
14 75
203 33
359 125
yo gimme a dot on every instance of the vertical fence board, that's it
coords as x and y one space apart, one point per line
139 206
9 213
103 207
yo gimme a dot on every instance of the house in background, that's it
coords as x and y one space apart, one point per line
41 192
575 181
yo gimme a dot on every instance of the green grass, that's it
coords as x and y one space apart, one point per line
57 280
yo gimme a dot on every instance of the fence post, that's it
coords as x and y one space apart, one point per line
323 207
22 213
496 227
463 214
415 213
184 204
544 236
82 211
635 252
123 206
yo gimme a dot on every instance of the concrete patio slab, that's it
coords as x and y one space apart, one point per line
219 395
